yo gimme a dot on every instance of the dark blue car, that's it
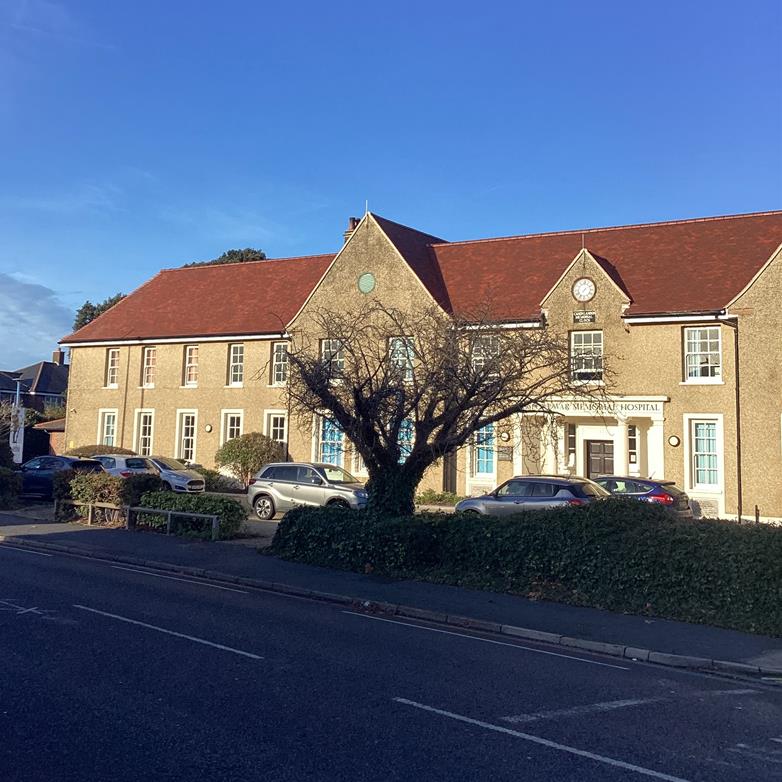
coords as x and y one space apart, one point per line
38 473
665 493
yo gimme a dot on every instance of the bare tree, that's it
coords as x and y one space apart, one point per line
410 387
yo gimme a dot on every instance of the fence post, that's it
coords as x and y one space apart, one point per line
757 515
168 523
89 513
56 504
130 522
215 528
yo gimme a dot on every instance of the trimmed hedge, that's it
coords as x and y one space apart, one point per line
86 451
230 512
10 488
620 555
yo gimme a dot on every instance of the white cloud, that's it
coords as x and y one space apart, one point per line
32 320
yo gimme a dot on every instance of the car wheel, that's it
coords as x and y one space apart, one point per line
167 486
341 504
471 512
264 507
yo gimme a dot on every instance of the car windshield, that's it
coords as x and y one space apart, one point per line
337 474
169 464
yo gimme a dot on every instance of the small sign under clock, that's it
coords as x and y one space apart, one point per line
584 316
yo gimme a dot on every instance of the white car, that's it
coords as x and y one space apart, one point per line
124 466
177 476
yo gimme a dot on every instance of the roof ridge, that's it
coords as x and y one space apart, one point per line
439 239
210 265
616 227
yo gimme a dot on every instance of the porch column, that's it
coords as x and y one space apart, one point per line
517 440
620 449
655 449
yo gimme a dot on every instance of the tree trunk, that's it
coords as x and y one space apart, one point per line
392 492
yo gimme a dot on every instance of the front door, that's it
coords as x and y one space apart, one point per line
600 458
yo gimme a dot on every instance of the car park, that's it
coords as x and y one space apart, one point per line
534 492
177 476
38 473
125 466
281 486
659 492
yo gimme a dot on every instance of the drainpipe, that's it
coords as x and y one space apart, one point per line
737 393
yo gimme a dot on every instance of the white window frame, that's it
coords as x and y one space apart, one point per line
318 443
401 354
112 368
596 357
102 413
690 419
333 356
268 429
180 414
473 450
137 430
279 364
224 428
148 368
484 346
236 364
698 380
188 363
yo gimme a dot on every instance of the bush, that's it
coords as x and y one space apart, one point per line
230 512
217 482
6 454
134 487
93 487
619 555
10 488
432 497
87 451
245 455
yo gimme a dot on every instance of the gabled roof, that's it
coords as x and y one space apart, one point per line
257 297
43 377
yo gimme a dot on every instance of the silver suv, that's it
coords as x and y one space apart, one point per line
280 487
534 492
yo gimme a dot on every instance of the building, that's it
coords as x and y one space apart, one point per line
686 313
40 384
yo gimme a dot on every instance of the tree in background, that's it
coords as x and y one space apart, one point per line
89 311
233 256
245 455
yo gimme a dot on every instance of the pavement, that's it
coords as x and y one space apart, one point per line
667 642
123 673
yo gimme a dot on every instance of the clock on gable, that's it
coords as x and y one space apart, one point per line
584 289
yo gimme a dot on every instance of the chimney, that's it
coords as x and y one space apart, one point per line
352 223
58 357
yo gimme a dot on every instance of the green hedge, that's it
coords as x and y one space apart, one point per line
93 450
10 488
230 512
101 487
620 555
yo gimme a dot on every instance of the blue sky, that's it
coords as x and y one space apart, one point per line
140 135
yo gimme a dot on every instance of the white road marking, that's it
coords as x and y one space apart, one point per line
579 711
176 578
487 640
10 605
168 632
543 742
24 550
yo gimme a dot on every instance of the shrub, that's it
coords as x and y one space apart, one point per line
245 455
432 497
620 555
10 488
134 487
217 482
6 454
95 487
87 451
230 512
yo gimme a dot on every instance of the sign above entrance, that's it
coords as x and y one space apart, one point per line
606 407
584 316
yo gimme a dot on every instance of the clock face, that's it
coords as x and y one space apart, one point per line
583 289
366 282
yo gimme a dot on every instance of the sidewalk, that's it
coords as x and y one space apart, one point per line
239 559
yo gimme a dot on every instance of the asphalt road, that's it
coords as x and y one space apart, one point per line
113 674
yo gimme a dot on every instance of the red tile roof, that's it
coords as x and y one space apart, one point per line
683 266
257 297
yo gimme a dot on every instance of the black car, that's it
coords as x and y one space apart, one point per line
38 473
665 493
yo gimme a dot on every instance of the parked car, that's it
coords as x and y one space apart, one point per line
665 493
125 466
177 476
282 486
38 473
533 492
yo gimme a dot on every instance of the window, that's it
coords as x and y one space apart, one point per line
571 445
277 427
107 427
332 352
702 354
485 349
359 466
144 429
705 473
632 444
586 355
235 365
483 451
186 440
330 449
401 351
112 367
232 425
514 488
190 374
279 363
406 437
148 362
